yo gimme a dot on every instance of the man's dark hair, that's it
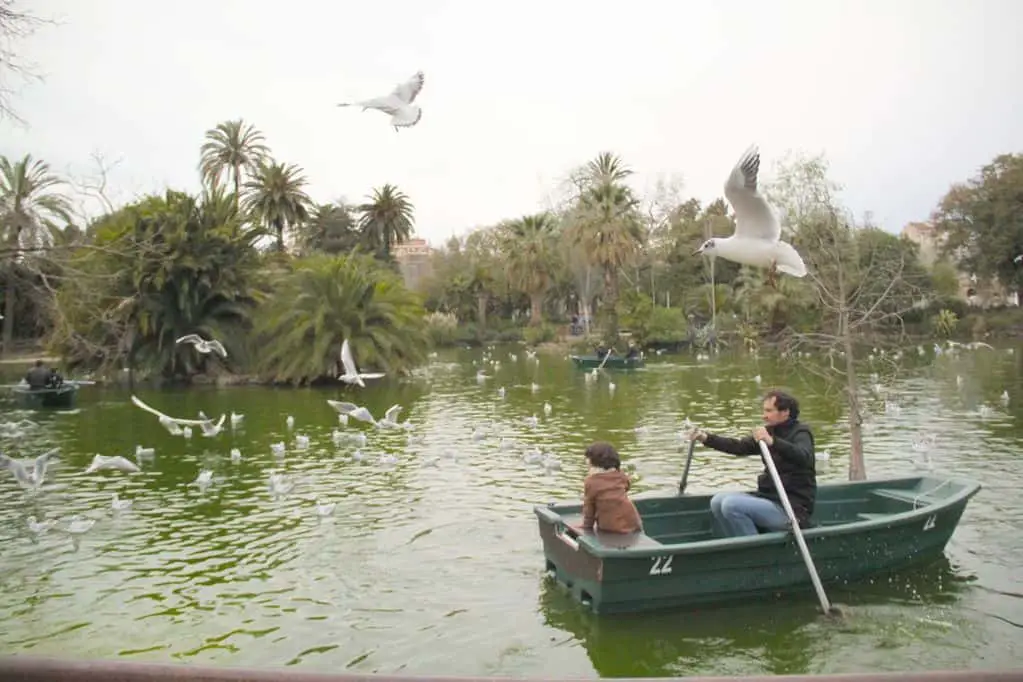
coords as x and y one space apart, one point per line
602 454
39 363
784 402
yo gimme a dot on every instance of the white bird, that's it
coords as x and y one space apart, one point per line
757 238
390 420
168 421
38 527
399 103
28 473
209 429
204 346
325 508
101 462
117 504
352 410
352 375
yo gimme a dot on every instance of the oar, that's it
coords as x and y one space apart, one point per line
685 472
606 356
796 530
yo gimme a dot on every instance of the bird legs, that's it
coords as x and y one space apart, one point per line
772 276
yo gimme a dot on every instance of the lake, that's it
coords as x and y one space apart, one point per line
431 562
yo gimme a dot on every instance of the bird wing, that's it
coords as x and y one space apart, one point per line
347 360
363 414
39 470
410 89
754 218
343 407
392 413
218 348
372 375
406 117
190 338
151 410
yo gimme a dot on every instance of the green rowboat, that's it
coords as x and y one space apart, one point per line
62 397
858 529
613 362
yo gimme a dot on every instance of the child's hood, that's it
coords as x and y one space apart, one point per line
609 480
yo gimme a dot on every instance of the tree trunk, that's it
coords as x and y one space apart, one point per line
857 467
481 310
8 338
611 304
535 310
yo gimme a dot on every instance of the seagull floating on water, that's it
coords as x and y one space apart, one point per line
204 346
757 238
101 462
399 103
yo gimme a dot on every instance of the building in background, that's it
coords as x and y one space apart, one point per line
413 257
971 289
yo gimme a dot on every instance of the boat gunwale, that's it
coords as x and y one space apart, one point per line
970 488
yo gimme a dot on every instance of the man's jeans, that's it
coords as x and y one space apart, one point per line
741 513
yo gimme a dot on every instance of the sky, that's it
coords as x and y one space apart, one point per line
903 97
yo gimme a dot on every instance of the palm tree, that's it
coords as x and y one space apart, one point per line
276 197
331 229
387 219
231 148
332 298
607 227
29 207
530 252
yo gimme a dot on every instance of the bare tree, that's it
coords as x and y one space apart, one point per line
864 281
15 25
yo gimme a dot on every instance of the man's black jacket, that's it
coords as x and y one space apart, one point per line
793 455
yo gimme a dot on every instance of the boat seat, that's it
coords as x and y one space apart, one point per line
864 516
916 499
626 540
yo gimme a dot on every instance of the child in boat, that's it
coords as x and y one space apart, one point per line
606 502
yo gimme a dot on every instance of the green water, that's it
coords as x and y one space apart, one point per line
433 564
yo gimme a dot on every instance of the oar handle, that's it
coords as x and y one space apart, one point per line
606 356
796 530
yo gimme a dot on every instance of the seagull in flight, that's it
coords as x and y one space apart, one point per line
204 346
352 375
352 410
757 238
399 104
28 473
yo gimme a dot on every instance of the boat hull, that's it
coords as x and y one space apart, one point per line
679 561
614 362
47 398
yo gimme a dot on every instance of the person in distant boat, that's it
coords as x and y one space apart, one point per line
633 351
790 443
602 351
606 503
38 376
55 380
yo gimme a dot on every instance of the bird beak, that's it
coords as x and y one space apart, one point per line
698 251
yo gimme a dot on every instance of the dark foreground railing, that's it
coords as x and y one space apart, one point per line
31 669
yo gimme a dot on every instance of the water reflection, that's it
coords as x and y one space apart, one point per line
769 636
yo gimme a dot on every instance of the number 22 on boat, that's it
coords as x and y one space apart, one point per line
662 565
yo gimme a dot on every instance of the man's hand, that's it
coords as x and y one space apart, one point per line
697 434
760 433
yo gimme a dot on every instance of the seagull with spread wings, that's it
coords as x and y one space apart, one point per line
351 373
757 238
399 104
204 346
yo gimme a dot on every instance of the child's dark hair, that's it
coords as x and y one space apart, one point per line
602 454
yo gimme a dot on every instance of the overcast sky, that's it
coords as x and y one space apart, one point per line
904 97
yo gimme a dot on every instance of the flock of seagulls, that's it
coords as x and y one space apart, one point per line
30 474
